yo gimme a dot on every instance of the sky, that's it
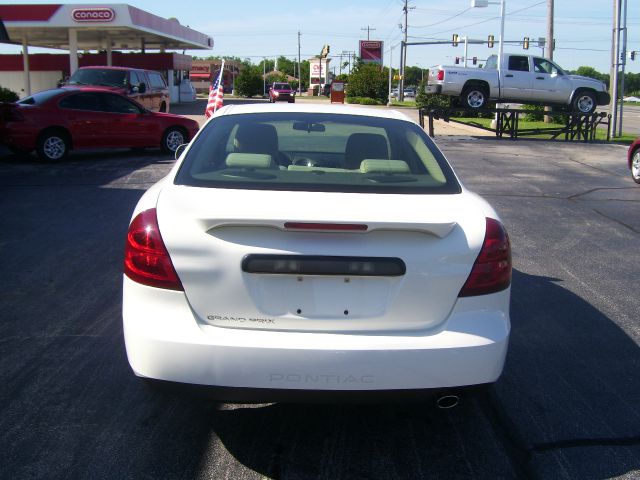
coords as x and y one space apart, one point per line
255 29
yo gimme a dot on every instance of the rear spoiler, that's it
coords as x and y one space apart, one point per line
439 229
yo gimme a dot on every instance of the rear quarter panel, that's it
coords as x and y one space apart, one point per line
456 78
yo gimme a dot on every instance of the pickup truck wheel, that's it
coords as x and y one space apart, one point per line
474 97
584 102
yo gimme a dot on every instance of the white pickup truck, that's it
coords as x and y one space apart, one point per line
522 79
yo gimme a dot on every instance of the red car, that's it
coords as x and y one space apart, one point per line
53 122
282 92
633 159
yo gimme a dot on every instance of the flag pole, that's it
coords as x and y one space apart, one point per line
215 107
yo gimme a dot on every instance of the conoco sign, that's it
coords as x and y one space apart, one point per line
93 14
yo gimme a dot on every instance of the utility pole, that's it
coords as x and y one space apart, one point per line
299 65
623 61
615 59
367 29
547 118
403 56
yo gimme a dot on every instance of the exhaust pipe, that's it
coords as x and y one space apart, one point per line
445 402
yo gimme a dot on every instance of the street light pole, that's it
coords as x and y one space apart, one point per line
486 3
390 75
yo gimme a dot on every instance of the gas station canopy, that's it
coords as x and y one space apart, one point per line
97 27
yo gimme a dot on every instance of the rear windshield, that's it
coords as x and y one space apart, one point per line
94 76
40 97
316 152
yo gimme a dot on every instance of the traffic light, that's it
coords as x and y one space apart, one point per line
454 40
490 41
525 43
632 55
325 51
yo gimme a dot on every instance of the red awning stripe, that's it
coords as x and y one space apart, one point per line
27 13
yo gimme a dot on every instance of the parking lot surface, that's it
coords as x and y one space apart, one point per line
566 406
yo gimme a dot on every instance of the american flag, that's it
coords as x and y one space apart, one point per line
215 95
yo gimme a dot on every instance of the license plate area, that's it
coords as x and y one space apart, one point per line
321 265
322 296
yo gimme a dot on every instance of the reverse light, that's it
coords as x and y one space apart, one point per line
146 259
440 75
491 271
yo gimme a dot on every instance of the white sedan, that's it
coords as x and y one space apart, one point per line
314 249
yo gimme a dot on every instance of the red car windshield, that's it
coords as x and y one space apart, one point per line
106 77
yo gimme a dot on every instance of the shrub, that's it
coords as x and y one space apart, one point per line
536 114
248 83
431 100
368 80
7 95
364 101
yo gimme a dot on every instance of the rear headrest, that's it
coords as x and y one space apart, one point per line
250 160
364 145
257 138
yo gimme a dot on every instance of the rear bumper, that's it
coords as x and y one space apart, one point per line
165 342
23 138
430 89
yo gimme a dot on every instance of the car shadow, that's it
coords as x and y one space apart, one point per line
567 402
86 167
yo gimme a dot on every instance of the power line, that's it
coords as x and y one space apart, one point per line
442 21
489 19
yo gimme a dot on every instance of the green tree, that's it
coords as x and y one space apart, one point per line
632 83
412 76
249 82
304 74
368 80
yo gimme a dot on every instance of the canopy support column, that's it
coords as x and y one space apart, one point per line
73 51
25 65
109 59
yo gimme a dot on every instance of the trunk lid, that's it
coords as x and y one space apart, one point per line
209 233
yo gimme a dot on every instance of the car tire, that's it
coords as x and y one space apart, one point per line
474 97
584 101
172 138
292 101
635 166
53 145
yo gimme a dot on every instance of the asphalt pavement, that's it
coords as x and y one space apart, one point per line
566 406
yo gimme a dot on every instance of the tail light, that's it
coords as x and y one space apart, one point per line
440 75
492 270
146 259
